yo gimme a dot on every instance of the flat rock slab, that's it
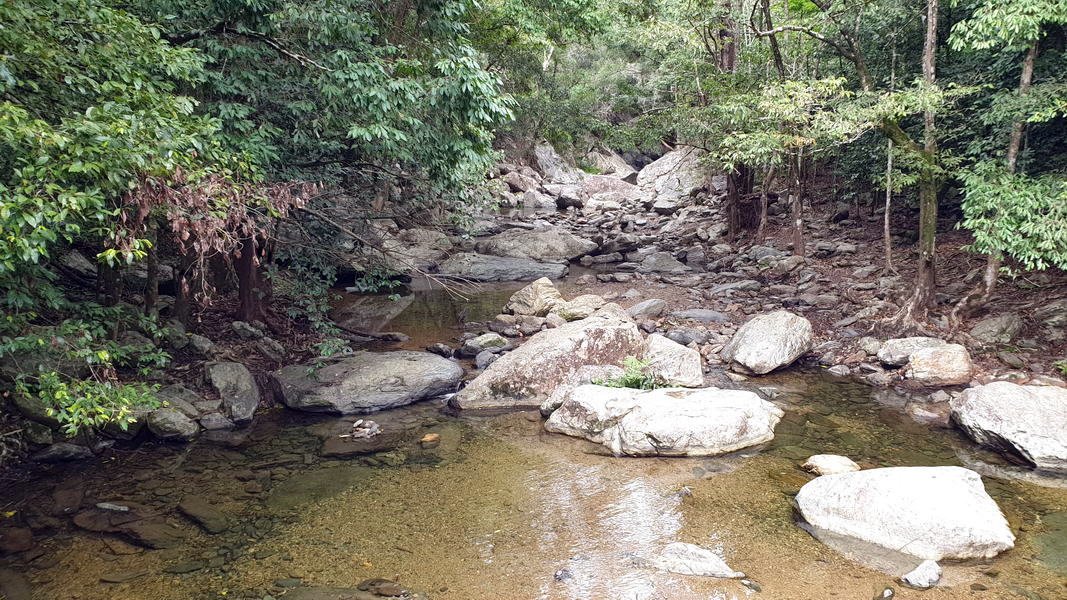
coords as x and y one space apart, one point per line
667 421
1028 421
367 381
204 514
481 267
929 512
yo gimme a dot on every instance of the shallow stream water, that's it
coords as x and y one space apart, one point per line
503 510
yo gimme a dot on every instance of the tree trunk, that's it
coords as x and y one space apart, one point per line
776 51
929 185
798 206
733 199
887 239
768 181
183 298
979 296
247 267
151 292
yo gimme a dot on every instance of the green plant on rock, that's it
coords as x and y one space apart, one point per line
636 375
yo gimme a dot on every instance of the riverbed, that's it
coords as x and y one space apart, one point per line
502 509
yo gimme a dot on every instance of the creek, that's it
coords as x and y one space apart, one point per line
502 509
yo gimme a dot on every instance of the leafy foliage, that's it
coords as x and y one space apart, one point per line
636 375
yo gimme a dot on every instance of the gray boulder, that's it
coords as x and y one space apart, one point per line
578 308
948 364
480 267
482 343
666 421
367 381
171 424
896 352
537 299
526 376
1000 329
673 363
662 262
237 388
1026 420
769 341
62 452
933 513
676 175
651 308
553 167
550 246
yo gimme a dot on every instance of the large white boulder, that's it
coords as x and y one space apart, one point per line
526 376
947 364
673 363
554 168
1027 420
666 421
929 512
770 341
367 381
675 176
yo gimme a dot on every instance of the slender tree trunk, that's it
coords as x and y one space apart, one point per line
979 296
768 181
887 238
183 299
929 185
733 220
776 51
151 292
798 206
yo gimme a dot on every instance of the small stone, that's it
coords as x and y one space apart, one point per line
188 566
829 464
122 577
923 577
430 440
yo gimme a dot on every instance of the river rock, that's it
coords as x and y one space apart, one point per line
661 262
830 464
769 341
690 559
701 315
204 514
481 267
486 341
367 381
585 374
526 376
172 424
647 309
237 388
579 308
14 585
666 421
550 246
1026 420
673 363
896 352
949 364
933 513
339 447
536 299
1000 329
924 576
62 452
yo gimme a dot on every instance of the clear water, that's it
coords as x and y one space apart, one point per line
503 510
